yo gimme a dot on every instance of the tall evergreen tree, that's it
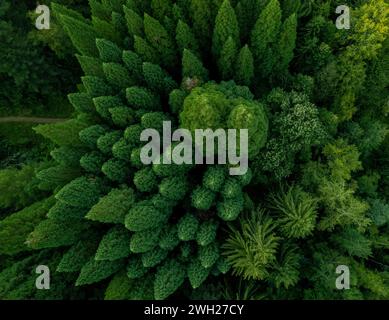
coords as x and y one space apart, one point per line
226 25
244 73
265 33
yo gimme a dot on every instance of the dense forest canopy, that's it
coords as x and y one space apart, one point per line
76 197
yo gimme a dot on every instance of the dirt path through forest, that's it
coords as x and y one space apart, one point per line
30 120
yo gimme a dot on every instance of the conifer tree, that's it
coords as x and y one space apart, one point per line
161 8
244 67
265 33
159 38
247 13
114 245
185 38
227 59
168 278
134 22
192 67
78 255
82 34
97 270
226 25
286 43
201 12
145 50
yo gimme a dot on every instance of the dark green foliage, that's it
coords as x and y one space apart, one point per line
244 67
122 150
81 33
144 216
154 257
141 98
206 232
286 270
185 38
286 44
90 65
197 273
122 288
15 228
18 187
379 211
90 135
105 30
264 34
226 25
119 288
154 120
62 134
214 178
77 256
132 134
121 116
354 243
173 188
108 51
135 268
187 227
159 38
231 189
114 245
145 180
229 209
202 16
92 162
134 22
63 211
113 207
202 198
227 59
95 271
105 142
96 86
90 190
209 254
117 75
133 63
56 176
192 67
157 79
113 169
144 241
168 278
82 102
135 158
52 233
18 280
296 128
169 238
144 50
37 68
